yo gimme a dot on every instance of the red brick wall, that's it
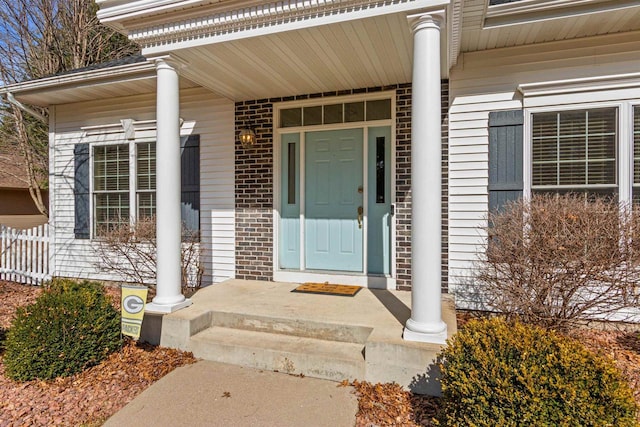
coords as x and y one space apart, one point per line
254 184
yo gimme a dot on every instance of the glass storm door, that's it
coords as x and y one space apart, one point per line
333 221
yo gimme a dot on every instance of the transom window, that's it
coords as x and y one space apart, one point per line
575 151
347 112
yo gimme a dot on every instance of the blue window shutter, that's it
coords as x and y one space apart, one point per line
81 191
190 182
505 157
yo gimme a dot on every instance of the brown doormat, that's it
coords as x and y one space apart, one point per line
328 289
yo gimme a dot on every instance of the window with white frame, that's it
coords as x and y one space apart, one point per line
112 169
575 151
124 185
111 205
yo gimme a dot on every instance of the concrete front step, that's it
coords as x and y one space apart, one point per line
291 354
292 326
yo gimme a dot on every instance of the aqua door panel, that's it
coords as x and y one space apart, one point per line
289 239
379 200
333 175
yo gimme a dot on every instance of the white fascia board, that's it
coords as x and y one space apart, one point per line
559 87
100 75
117 10
188 34
530 11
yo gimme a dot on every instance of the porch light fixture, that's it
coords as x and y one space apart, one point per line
247 137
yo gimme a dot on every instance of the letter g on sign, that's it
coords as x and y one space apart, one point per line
133 304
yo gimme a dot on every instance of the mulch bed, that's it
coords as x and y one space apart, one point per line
390 405
89 398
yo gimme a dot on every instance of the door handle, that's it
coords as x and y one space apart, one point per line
360 211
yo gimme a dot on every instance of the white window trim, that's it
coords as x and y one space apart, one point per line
362 279
133 152
624 148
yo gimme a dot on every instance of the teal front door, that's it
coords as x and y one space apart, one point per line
333 215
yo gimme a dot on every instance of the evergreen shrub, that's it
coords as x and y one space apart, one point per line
71 326
499 373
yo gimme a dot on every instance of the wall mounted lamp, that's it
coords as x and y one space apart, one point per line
247 137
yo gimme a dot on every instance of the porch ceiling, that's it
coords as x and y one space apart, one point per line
539 21
362 53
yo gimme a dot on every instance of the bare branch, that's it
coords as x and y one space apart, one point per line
557 260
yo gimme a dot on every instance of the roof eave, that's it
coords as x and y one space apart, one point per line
88 77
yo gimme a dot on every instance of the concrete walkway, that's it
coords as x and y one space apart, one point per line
216 394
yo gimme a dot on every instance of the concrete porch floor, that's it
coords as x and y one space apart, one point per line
266 326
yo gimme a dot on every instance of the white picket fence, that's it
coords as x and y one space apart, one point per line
24 254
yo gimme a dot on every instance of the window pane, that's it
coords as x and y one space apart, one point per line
572 173
572 123
111 211
572 147
354 112
610 194
111 168
545 174
379 110
545 125
333 113
380 169
290 117
146 166
291 179
312 116
602 121
146 204
602 172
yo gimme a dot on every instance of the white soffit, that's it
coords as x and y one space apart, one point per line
245 49
539 21
190 23
370 52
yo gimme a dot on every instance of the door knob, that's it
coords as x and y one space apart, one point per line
360 211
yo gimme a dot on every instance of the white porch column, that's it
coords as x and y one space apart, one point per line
169 296
426 323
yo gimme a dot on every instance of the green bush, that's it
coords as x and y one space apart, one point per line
496 373
71 326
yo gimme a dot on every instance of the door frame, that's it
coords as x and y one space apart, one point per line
303 275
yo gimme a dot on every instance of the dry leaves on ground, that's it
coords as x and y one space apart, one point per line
389 405
12 296
623 347
89 397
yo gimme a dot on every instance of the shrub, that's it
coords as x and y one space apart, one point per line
131 254
69 327
559 259
499 373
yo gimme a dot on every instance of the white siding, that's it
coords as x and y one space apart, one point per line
487 81
205 114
